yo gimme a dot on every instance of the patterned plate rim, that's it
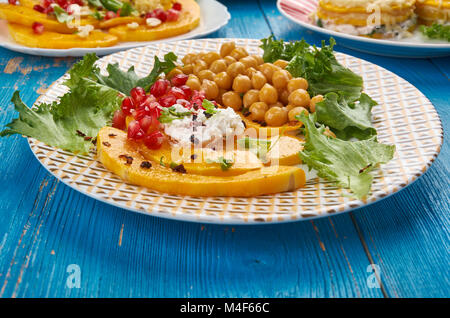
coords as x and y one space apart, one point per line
207 214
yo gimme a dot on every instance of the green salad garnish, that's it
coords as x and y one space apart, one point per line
436 31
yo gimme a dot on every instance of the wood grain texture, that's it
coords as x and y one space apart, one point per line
45 226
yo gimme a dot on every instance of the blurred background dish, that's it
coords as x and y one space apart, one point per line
395 32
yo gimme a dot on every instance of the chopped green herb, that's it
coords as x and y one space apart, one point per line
225 164
61 15
169 114
209 107
436 31
161 162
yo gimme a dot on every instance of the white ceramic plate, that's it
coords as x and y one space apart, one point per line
404 117
299 11
214 15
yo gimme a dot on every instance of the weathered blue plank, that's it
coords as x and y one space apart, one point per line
406 234
48 226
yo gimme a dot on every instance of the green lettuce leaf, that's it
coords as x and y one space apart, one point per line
61 15
116 78
347 119
348 163
70 123
125 81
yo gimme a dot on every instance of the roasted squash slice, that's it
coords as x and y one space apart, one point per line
27 16
188 20
52 40
106 24
124 158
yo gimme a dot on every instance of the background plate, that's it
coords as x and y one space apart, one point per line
299 11
404 117
214 15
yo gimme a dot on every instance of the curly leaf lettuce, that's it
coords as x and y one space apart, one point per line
71 122
348 163
347 119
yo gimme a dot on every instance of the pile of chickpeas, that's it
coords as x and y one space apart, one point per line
264 92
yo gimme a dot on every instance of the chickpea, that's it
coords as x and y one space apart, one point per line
189 58
235 69
281 63
205 74
226 48
172 73
267 69
296 111
248 61
223 80
259 60
289 107
250 71
210 88
276 116
296 83
299 97
251 97
258 80
187 69
229 59
232 99
218 66
241 84
283 96
193 82
219 97
313 101
280 78
258 110
200 65
277 104
239 53
211 57
268 94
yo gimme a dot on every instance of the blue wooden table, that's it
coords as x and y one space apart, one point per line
49 232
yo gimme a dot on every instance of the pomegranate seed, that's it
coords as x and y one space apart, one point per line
13 2
38 28
148 100
110 15
187 91
119 120
137 94
150 15
46 3
149 123
159 88
79 2
62 3
167 101
177 6
135 131
154 140
39 8
141 111
156 110
127 105
49 9
179 80
161 14
184 103
177 92
172 15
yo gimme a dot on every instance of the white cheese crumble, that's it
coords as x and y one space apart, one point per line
153 22
201 130
133 25
84 30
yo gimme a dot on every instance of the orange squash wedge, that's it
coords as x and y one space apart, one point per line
188 20
52 40
113 151
26 16
106 24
